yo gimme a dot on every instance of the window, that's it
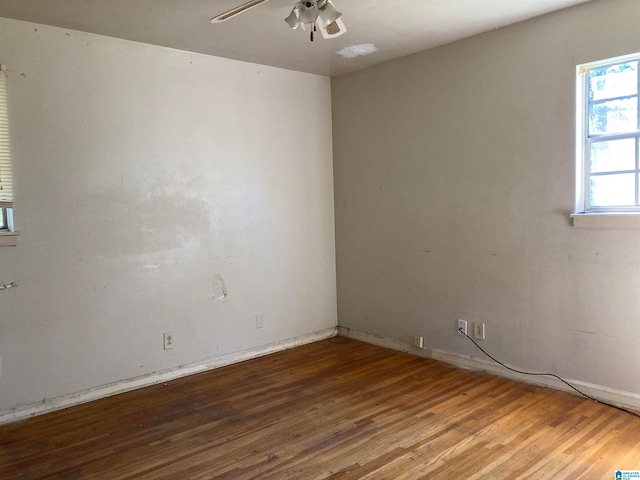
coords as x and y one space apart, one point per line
6 181
6 219
608 131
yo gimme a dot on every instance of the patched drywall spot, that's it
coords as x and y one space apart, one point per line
354 51
139 223
219 288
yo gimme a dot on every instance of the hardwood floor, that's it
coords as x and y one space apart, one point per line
336 409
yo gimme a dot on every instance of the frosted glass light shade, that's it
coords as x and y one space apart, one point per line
327 13
306 12
294 23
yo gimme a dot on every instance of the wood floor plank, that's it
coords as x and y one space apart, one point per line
336 409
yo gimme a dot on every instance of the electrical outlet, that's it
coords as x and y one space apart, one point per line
418 342
168 340
478 330
462 327
259 320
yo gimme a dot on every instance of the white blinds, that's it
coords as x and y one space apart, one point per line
6 182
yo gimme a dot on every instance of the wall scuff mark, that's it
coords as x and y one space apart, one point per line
219 288
7 286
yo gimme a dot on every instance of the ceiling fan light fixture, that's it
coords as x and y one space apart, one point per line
316 15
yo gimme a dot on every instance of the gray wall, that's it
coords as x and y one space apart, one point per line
143 175
454 178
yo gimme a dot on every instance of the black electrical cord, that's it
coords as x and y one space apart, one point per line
547 375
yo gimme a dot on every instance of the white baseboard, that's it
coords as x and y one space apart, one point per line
615 397
57 403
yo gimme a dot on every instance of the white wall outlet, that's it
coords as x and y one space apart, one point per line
260 320
168 340
462 327
478 330
418 342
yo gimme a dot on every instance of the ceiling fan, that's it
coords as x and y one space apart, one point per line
306 15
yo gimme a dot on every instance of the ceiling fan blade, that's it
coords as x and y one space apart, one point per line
237 11
334 29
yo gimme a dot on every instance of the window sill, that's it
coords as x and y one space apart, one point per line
606 220
8 239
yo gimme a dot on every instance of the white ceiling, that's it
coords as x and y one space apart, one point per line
396 27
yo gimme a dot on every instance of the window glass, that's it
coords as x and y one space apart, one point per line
613 116
612 155
613 81
613 190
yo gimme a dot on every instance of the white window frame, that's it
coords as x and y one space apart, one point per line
8 235
593 216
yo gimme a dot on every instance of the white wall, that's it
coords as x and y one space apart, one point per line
454 178
142 174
